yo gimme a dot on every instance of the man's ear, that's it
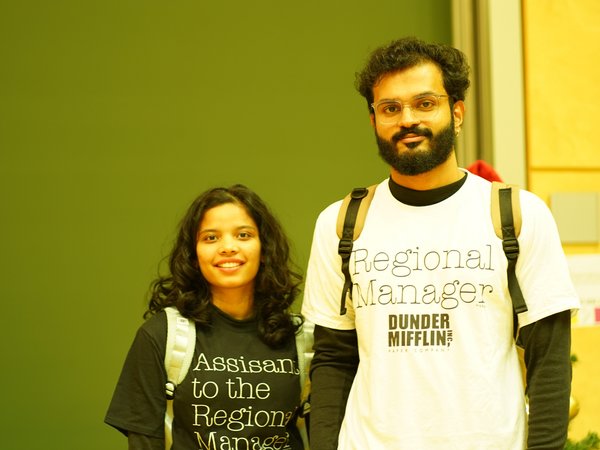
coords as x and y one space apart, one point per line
372 117
458 111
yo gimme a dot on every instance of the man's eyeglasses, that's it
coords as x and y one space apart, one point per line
422 107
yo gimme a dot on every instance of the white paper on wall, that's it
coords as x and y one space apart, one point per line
585 273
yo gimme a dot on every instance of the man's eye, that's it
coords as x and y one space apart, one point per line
425 104
392 108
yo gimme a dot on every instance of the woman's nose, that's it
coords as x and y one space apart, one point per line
228 246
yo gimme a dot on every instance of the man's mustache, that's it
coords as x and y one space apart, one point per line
417 131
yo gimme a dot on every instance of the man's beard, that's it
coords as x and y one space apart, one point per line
416 161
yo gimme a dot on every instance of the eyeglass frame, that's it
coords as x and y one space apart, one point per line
404 105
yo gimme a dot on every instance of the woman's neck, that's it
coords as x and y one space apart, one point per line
236 304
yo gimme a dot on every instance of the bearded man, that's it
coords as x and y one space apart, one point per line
379 382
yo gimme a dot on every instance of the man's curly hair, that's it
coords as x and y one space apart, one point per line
409 52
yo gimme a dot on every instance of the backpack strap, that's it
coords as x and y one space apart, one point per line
506 217
304 349
514 208
351 219
181 340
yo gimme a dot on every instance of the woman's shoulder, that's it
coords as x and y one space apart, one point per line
155 326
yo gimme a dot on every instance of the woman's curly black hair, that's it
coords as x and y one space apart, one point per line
409 52
276 284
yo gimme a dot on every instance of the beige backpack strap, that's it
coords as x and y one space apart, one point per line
506 217
362 210
351 219
515 204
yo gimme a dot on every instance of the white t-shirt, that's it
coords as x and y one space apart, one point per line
430 305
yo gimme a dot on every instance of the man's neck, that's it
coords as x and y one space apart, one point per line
442 175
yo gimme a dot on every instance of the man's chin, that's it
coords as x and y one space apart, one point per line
413 145
417 145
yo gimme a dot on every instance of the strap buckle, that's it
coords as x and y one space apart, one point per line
170 390
511 248
358 193
345 247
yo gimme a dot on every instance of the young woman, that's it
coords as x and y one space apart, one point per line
230 272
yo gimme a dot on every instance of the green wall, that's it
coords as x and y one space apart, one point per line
114 115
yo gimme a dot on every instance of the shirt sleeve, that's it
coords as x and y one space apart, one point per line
332 372
547 345
142 442
324 278
138 403
542 268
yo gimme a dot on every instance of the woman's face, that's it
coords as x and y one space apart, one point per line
228 249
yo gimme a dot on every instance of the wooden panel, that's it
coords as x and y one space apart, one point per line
562 92
586 381
544 183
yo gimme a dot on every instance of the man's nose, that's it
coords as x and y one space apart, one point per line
407 118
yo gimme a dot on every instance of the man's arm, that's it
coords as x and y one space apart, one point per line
332 372
547 345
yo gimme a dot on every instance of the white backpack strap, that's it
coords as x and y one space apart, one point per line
181 340
304 349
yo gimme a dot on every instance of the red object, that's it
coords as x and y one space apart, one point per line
484 170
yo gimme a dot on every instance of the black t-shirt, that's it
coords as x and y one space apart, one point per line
238 393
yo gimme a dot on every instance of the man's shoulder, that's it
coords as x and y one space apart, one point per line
335 206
